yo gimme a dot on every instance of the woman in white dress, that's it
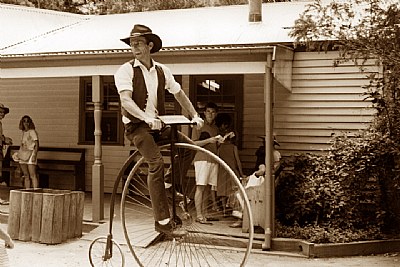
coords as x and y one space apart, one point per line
29 147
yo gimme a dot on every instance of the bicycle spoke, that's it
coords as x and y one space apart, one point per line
101 255
204 245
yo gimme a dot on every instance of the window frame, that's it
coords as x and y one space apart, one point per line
172 107
107 83
237 82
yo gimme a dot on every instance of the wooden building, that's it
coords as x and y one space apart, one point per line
52 62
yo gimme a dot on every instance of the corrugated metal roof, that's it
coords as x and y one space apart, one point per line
20 24
36 31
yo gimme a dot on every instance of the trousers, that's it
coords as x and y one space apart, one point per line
147 143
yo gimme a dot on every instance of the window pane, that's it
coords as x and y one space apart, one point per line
224 90
111 124
109 127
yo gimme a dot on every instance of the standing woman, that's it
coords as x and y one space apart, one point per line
30 143
3 141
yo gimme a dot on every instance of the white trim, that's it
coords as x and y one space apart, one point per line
178 69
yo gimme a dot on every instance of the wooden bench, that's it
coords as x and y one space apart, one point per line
58 161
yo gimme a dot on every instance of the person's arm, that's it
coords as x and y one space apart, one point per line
131 107
7 239
185 103
35 150
204 138
211 140
180 96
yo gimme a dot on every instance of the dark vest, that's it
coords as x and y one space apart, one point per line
140 95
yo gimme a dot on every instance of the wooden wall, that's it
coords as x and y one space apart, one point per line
324 100
53 104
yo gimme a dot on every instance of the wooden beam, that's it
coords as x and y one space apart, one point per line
97 168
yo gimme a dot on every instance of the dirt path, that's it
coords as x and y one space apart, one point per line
75 254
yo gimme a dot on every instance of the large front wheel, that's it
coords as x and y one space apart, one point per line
219 241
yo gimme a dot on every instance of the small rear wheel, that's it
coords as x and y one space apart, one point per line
217 242
102 255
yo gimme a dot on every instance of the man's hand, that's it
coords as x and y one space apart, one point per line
154 124
218 139
199 121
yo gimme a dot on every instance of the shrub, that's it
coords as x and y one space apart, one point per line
352 188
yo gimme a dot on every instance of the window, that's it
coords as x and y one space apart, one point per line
224 90
111 124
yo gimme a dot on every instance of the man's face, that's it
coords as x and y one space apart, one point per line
2 114
140 48
210 114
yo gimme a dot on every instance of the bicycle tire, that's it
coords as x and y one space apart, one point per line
97 252
203 246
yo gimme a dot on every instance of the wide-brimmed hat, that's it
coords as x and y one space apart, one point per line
6 109
276 143
142 30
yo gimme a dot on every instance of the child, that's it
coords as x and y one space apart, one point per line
229 153
257 178
3 252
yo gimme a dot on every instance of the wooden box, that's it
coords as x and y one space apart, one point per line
46 216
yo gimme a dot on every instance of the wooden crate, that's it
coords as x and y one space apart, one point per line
46 216
256 199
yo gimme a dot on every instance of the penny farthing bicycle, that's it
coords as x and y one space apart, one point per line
205 244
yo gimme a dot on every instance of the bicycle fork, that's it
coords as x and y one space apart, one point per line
108 249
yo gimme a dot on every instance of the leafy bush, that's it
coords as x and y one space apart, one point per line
353 188
318 234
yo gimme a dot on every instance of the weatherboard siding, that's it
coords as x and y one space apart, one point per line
53 104
325 100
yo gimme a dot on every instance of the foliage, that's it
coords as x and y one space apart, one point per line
361 30
347 188
354 188
123 6
318 234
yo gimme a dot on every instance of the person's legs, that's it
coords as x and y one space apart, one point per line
184 159
224 204
198 201
1 165
214 199
33 175
148 148
2 201
201 173
212 181
25 172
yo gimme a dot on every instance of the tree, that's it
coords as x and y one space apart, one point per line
363 30
360 29
123 6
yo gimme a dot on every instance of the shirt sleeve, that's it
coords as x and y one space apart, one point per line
170 84
123 77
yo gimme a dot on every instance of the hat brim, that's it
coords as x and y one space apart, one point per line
154 38
6 110
275 141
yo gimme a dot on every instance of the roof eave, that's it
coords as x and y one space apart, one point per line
170 51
